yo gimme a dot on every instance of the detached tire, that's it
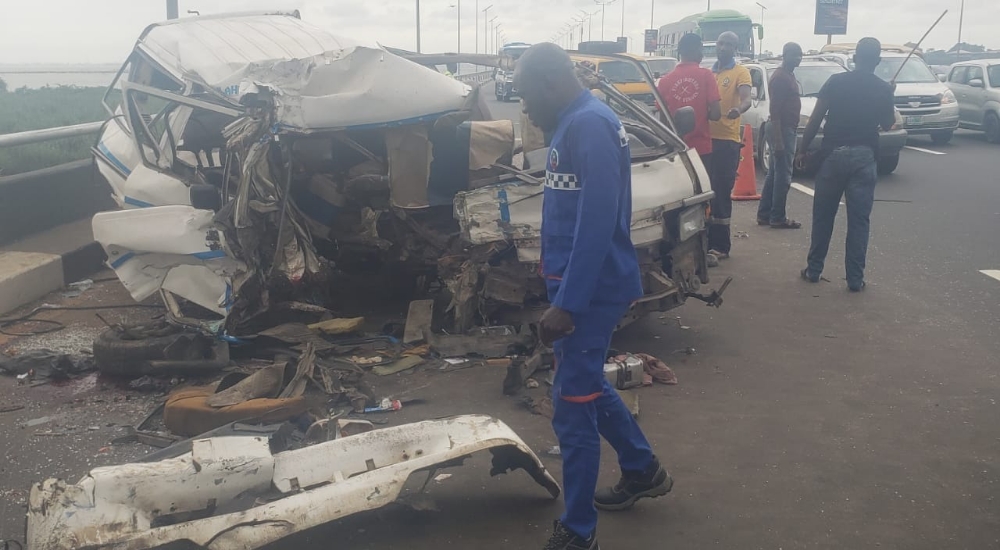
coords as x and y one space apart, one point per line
128 351
887 165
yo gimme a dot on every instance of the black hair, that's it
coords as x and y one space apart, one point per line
689 45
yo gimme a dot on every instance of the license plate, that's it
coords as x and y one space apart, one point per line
915 120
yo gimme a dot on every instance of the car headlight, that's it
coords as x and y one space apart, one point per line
947 98
692 222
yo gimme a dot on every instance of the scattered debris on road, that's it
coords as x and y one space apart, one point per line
229 492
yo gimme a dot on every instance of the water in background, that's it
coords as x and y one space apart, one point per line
39 76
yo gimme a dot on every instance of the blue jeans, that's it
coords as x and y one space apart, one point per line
848 172
779 179
586 408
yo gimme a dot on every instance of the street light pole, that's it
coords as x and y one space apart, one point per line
489 37
418 26
604 5
458 8
760 46
486 36
623 19
172 9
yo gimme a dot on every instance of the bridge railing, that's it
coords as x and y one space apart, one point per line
35 201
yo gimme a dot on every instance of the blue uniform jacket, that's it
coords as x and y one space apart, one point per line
587 252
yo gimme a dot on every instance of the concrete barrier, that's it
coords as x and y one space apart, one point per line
34 202
45 236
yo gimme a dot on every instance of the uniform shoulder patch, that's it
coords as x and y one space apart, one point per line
622 136
553 159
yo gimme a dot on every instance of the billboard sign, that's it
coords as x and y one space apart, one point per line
831 17
652 35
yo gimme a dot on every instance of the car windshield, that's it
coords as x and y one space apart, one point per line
620 71
812 78
914 71
994 73
661 66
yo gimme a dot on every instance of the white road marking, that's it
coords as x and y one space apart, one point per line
803 188
922 150
807 190
995 273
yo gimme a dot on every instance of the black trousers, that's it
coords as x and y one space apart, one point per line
725 162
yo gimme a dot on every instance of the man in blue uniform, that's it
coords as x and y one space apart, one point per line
592 274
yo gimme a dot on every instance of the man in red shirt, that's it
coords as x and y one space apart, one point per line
689 85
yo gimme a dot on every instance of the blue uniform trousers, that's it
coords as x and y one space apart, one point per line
587 407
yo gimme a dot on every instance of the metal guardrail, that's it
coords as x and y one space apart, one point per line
49 134
90 128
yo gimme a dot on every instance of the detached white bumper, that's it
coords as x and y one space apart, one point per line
232 493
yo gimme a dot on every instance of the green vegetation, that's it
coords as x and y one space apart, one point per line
33 109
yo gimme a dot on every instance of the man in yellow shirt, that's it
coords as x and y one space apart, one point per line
734 89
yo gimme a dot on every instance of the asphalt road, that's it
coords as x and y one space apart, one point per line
807 416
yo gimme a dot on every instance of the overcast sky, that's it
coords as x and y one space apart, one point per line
103 31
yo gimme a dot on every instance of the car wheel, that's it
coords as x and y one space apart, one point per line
942 138
992 128
887 165
765 150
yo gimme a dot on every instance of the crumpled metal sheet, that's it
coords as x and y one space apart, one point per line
129 507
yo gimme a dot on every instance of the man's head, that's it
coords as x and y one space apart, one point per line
791 56
867 55
690 48
726 46
546 80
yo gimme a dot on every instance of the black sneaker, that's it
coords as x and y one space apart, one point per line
564 539
655 482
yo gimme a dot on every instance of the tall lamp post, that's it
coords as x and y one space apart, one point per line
604 4
486 36
763 8
418 26
580 21
489 36
623 19
172 10
496 37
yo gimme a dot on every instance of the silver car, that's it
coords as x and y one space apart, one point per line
976 84
927 105
811 76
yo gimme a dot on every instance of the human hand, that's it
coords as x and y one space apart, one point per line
555 323
800 160
733 114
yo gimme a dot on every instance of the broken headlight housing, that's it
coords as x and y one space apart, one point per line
691 222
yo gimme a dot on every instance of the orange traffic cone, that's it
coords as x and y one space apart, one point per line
746 175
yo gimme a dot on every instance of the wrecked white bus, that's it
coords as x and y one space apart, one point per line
259 161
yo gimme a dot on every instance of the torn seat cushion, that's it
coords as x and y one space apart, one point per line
188 413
